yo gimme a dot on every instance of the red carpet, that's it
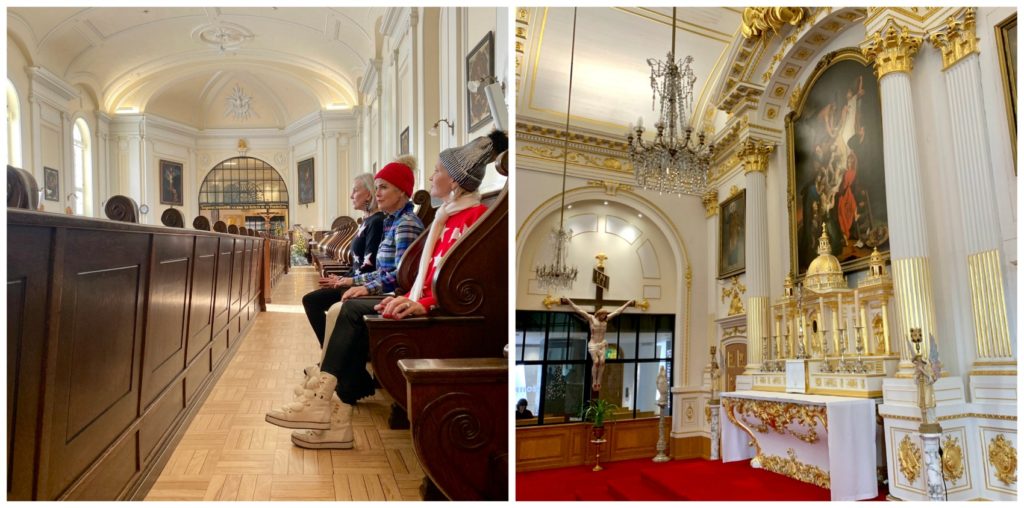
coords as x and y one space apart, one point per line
677 480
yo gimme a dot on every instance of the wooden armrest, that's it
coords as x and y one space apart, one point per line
459 412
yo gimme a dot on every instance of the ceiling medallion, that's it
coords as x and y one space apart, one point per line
240 105
222 36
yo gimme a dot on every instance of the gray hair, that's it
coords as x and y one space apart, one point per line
366 180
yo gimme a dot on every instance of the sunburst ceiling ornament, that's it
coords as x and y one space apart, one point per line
222 36
239 105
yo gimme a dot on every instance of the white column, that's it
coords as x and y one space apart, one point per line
754 155
892 50
973 166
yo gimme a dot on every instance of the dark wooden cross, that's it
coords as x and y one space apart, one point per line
601 280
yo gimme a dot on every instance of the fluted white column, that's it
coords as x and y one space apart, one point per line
892 50
973 166
754 155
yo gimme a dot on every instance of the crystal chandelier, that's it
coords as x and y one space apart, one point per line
558 274
673 162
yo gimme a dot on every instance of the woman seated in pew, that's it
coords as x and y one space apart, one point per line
455 180
364 252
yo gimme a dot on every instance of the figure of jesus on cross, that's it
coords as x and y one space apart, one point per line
598 322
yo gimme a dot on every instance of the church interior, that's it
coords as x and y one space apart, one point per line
807 217
178 179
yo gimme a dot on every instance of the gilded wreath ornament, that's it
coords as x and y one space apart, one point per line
909 459
1003 456
952 459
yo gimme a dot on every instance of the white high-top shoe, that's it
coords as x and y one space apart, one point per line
338 437
313 412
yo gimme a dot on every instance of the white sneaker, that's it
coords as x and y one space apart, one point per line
338 437
307 413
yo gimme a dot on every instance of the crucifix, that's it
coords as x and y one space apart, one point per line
598 321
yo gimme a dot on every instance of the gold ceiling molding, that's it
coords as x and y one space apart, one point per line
909 458
1003 456
742 93
958 39
952 459
758 21
575 157
710 200
559 136
610 188
794 99
891 49
918 14
522 26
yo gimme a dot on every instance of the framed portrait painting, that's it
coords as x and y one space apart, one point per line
170 183
307 186
479 65
51 184
1006 43
403 142
732 228
836 167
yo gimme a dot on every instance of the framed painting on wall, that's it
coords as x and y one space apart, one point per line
403 142
732 258
51 184
170 183
1006 42
479 65
307 185
836 170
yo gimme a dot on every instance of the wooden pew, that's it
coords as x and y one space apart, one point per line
472 298
110 351
459 412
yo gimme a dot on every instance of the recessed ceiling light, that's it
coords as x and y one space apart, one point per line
606 202
569 207
640 215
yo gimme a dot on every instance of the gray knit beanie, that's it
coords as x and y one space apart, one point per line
466 164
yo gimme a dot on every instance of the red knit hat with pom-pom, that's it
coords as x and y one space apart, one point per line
399 175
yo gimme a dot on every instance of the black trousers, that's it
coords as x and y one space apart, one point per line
348 349
316 304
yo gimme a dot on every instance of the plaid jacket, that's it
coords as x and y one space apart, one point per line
400 230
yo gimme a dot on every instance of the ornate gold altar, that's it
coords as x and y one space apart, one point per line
840 334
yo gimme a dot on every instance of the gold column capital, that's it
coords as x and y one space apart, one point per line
753 154
957 40
710 199
891 49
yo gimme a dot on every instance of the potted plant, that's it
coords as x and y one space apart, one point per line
596 411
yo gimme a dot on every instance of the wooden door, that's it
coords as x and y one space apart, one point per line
735 361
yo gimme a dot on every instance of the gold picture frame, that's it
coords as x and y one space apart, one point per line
732 228
1006 43
851 205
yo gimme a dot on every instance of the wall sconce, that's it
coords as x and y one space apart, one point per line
451 127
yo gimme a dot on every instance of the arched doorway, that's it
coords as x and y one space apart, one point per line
246 191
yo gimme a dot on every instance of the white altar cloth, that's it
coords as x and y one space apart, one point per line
845 449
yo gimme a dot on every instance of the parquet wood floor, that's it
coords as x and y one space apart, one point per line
230 453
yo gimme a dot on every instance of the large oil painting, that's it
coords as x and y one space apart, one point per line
836 164
170 183
307 186
732 259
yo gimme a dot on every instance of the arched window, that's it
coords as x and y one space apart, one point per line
13 126
247 192
83 168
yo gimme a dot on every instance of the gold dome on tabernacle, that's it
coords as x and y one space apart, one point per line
825 271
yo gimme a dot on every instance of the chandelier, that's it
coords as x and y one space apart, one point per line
673 162
558 274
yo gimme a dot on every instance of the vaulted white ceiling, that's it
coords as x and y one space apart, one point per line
183 63
611 77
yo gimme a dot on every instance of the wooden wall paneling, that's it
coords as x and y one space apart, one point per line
243 284
237 262
222 295
95 387
28 282
554 446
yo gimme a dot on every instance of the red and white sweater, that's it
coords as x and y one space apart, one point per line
454 228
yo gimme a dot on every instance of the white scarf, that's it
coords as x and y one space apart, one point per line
443 212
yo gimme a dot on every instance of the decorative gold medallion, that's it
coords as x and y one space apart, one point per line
1003 456
909 459
952 459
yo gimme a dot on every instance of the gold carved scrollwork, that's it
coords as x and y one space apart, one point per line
758 21
735 296
796 470
891 49
754 154
578 158
1003 456
778 416
909 459
710 199
952 459
957 40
